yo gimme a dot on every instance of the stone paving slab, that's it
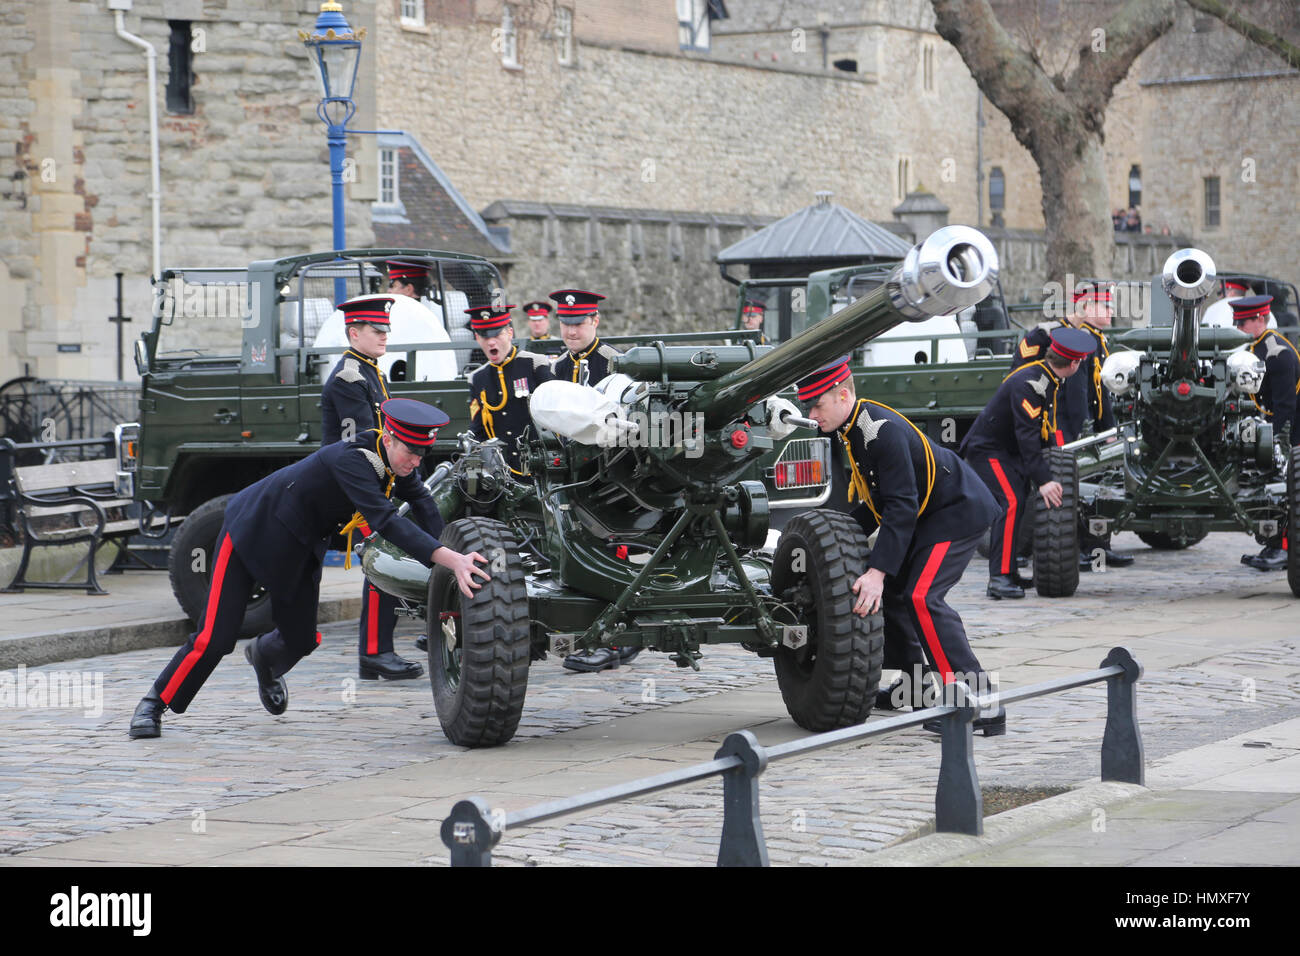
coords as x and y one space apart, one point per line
370 757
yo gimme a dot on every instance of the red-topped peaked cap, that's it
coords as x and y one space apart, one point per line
538 309
1093 293
406 271
811 387
489 319
574 305
1250 307
367 308
753 305
1073 343
413 423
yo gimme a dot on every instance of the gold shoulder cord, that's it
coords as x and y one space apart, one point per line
858 484
577 362
488 408
1103 351
1044 430
357 519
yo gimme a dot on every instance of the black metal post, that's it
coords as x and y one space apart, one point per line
742 828
958 803
469 834
118 320
1121 745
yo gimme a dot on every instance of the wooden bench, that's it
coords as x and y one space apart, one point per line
82 491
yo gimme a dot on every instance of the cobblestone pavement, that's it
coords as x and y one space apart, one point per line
1215 639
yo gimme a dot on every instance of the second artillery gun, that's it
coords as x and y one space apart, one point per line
1192 451
633 528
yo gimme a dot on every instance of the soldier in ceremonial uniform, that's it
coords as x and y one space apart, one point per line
1219 314
752 314
350 404
1276 398
1005 447
539 320
931 510
579 316
350 399
499 390
1081 399
275 534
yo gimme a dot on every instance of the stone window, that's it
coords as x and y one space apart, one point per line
180 76
1212 210
388 185
412 13
997 195
1135 186
564 35
927 67
693 18
904 177
509 37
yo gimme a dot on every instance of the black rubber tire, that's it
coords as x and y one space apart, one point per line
1163 542
1056 531
1293 521
199 530
831 682
481 705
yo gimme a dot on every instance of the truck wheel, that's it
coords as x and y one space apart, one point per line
831 680
191 576
1056 531
1293 521
1164 542
479 647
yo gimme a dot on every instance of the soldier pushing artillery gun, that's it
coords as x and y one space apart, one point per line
645 536
1204 439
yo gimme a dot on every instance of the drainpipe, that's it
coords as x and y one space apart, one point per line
119 8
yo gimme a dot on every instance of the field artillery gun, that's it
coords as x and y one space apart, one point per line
641 534
1191 452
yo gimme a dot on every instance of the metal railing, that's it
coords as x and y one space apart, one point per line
472 829
55 411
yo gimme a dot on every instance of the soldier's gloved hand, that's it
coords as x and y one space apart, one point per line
1281 453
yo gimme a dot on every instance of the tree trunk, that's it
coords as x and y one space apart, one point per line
1080 235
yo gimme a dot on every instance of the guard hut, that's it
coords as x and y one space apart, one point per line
824 235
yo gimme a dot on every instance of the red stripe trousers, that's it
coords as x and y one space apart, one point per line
293 610
919 624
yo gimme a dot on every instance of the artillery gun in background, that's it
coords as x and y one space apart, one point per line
658 544
1191 452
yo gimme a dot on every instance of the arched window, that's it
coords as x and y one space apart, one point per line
1135 186
997 195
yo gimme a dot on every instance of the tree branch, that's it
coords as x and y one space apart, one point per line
1004 71
1257 35
1132 29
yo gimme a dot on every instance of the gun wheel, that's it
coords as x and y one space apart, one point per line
189 565
830 681
1293 520
1056 531
479 647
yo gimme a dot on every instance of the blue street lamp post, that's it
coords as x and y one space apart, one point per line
336 51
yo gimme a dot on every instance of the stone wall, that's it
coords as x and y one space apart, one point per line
244 176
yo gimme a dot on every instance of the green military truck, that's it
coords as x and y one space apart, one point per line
231 379
939 373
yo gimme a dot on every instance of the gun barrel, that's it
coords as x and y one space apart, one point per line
1188 278
954 268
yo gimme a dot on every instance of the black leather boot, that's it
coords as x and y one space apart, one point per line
388 666
147 719
598 660
272 690
1002 586
422 642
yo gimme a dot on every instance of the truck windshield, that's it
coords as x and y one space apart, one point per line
203 310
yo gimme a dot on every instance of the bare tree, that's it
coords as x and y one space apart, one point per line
1059 116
